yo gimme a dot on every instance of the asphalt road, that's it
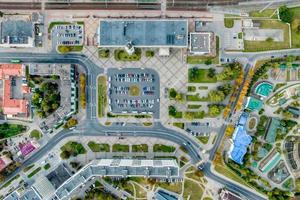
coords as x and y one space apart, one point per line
91 126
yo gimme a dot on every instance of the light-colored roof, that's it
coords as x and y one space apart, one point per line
44 187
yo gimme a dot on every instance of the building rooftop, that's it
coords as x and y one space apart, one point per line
119 168
4 161
253 104
271 134
200 43
143 33
241 141
11 105
43 187
16 32
27 148
58 176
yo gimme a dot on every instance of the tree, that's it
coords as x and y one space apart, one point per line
269 39
298 29
216 96
71 123
172 93
211 72
188 115
285 14
172 111
208 62
194 73
179 97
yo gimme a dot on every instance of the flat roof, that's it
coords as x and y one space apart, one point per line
16 31
200 42
143 33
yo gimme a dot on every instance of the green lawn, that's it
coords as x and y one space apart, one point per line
206 59
203 139
98 147
36 134
191 88
34 172
229 22
10 181
253 46
196 97
193 190
102 97
265 13
200 76
173 187
103 53
67 49
47 166
120 148
294 26
140 148
179 124
72 148
163 148
26 169
9 130
194 106
122 55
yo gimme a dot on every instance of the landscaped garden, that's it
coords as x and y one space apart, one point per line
35 134
163 148
120 148
103 53
67 49
102 97
98 147
139 148
72 149
46 99
122 55
9 130
196 75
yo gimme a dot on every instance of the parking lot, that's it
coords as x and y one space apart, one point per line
199 128
133 91
68 34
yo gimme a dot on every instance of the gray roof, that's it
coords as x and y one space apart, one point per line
165 33
200 42
16 32
119 168
59 176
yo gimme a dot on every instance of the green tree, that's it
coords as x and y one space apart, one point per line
208 62
269 39
216 96
211 72
285 14
172 93
172 111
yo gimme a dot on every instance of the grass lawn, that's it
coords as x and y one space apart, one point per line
47 166
196 175
72 148
193 190
147 123
229 22
163 148
10 181
173 187
35 134
102 97
203 139
9 130
139 192
196 97
194 106
179 124
103 53
26 169
202 87
252 123
140 148
66 49
253 46
122 55
230 174
265 13
97 147
191 89
205 59
201 76
120 148
134 90
294 25
34 172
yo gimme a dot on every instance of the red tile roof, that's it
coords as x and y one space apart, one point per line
12 106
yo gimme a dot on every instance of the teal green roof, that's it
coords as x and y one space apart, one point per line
264 89
272 163
254 104
272 130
